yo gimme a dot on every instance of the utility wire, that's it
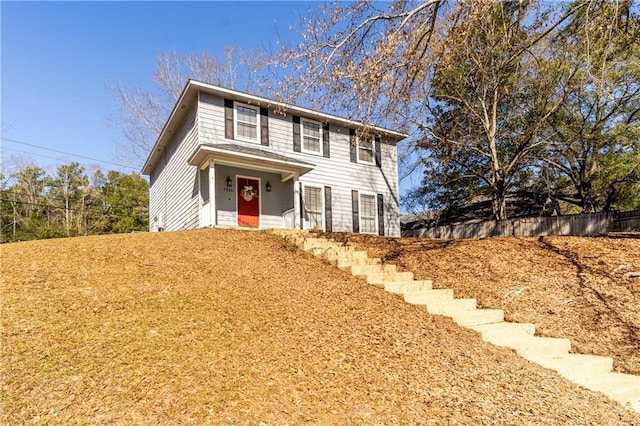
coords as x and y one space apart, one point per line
73 209
30 153
66 153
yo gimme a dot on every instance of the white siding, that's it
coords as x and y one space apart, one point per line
173 192
342 175
338 171
211 119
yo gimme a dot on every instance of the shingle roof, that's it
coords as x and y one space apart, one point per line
256 151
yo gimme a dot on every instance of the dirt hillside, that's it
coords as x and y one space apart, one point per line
229 327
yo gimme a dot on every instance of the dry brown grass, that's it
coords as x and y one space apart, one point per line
229 327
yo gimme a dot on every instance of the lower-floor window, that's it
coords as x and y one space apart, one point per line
368 214
313 206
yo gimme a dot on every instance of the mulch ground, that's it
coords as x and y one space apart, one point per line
580 288
229 327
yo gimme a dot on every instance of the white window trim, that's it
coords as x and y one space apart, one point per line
320 140
375 212
373 152
307 223
235 123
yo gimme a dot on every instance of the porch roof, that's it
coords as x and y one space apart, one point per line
249 158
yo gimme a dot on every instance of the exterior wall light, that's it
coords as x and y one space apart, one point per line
229 182
268 187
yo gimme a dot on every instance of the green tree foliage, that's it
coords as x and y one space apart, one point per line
35 205
491 98
125 198
70 186
594 137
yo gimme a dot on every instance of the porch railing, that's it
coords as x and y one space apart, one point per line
288 219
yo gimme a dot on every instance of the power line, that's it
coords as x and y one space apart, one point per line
31 153
66 153
73 209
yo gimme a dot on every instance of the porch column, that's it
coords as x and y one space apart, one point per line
297 223
212 194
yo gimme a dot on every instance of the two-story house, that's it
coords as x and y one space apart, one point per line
226 158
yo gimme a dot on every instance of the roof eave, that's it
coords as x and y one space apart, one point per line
158 146
320 116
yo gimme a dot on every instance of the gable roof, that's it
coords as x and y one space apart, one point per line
189 96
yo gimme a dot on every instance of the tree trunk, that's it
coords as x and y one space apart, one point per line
15 220
586 195
66 214
499 203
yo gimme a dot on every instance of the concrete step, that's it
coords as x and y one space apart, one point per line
477 317
311 243
451 307
287 231
344 262
623 388
369 269
295 239
424 297
322 251
347 254
333 248
573 366
532 346
401 287
504 328
381 278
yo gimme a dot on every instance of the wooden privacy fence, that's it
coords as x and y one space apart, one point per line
582 224
626 221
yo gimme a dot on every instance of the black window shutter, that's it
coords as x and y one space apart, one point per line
380 215
353 146
301 208
228 118
355 206
264 126
378 154
296 133
325 140
328 215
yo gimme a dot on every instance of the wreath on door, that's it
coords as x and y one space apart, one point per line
247 193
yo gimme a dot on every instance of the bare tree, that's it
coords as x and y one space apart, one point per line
361 61
142 112
401 65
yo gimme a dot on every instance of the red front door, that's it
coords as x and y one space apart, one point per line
248 202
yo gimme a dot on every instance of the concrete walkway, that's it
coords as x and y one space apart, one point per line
589 371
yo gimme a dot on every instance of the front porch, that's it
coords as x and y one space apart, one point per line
248 187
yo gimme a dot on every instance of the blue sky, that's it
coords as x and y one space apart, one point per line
59 58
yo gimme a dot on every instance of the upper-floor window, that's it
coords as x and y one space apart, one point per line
247 127
366 150
311 137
